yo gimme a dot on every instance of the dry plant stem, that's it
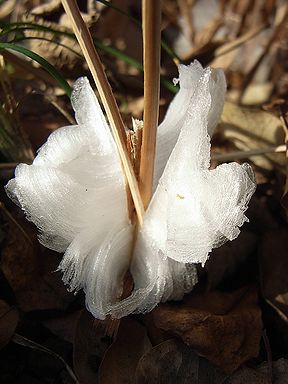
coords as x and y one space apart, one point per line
151 21
107 97
246 154
185 9
226 48
21 340
5 166
52 100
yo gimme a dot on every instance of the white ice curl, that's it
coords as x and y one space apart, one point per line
75 193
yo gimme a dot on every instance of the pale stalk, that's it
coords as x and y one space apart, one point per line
238 155
151 22
94 63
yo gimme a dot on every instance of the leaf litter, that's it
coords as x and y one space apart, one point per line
214 334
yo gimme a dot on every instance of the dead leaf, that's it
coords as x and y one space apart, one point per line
90 344
8 322
261 374
30 271
6 8
257 93
248 375
225 328
174 362
279 371
121 359
253 129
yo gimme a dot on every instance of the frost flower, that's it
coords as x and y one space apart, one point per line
75 193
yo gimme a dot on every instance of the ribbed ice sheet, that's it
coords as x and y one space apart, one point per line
75 193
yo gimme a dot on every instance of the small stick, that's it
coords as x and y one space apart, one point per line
246 154
94 63
21 340
151 21
5 166
228 47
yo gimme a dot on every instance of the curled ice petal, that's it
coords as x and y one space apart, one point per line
169 129
75 190
195 209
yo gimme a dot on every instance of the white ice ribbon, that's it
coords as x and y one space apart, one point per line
75 193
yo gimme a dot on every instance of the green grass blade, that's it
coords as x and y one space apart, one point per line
118 54
47 66
13 27
164 45
133 62
19 39
22 26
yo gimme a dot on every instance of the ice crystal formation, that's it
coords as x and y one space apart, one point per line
75 193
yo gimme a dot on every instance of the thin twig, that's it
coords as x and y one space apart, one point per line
94 63
21 340
246 154
151 21
53 101
5 166
228 47
187 15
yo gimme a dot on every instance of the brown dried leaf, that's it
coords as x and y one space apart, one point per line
52 15
253 129
279 371
6 8
8 322
121 359
173 362
223 327
248 375
261 374
257 94
30 271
